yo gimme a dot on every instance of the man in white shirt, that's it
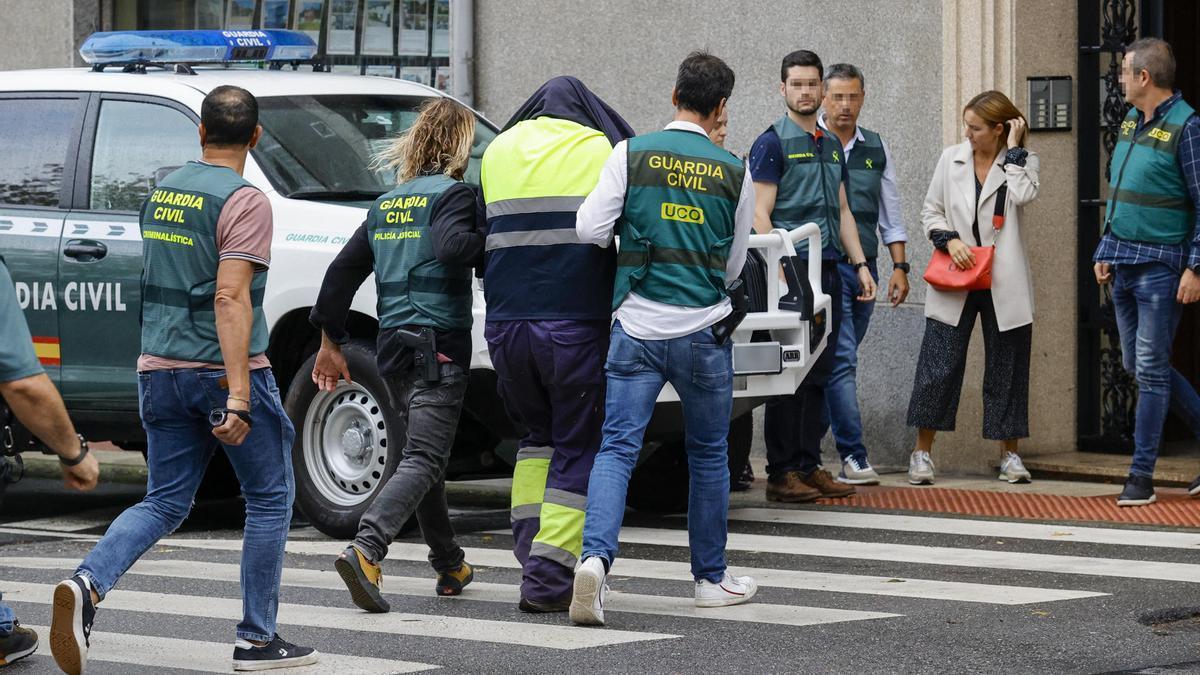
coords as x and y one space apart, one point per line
683 209
875 202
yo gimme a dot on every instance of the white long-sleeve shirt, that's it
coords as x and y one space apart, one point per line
640 317
891 217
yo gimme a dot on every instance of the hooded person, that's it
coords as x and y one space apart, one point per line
548 313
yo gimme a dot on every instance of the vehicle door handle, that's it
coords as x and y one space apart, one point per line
85 250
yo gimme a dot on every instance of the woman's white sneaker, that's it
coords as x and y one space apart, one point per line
731 591
587 600
1013 470
920 468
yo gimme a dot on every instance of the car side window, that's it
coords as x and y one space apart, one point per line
34 136
137 145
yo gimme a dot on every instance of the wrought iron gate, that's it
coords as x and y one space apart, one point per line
1107 394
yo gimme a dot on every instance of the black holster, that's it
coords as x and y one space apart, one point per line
723 329
423 342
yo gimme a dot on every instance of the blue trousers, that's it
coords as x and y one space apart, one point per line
174 408
1147 315
550 376
701 371
841 390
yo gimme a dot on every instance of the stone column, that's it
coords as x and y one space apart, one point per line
978 53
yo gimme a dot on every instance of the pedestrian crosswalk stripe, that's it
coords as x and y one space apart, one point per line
755 612
969 527
394 623
905 587
48 533
931 555
212 657
74 522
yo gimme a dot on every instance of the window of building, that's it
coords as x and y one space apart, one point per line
33 141
408 39
127 162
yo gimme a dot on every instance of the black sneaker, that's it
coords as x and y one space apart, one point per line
18 644
537 607
71 625
1194 488
1139 491
278 653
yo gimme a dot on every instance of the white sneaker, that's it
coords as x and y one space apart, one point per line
731 591
587 601
857 471
1012 470
920 468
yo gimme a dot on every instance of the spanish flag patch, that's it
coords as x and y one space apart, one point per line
48 350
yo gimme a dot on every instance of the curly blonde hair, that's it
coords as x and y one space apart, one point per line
439 141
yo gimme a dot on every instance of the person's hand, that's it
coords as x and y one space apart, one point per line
329 366
866 285
1103 273
83 476
961 254
235 430
897 287
1015 127
1189 288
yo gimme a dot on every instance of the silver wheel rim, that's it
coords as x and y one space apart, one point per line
345 444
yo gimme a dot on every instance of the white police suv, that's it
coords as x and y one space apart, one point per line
81 148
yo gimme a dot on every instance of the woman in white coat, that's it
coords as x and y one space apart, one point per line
957 215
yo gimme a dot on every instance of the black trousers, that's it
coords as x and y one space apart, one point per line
943 361
793 425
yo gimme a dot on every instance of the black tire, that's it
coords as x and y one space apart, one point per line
660 484
333 518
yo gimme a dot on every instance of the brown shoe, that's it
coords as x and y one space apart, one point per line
826 486
790 488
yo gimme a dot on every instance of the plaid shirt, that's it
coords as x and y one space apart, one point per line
1122 252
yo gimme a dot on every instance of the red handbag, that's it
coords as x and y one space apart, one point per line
944 275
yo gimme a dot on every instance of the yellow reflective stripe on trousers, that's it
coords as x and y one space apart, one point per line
560 537
529 480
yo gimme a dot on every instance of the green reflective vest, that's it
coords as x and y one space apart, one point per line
1148 198
678 222
809 188
413 288
865 167
179 265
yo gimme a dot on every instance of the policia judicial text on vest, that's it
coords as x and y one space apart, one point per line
677 226
179 275
413 288
1149 199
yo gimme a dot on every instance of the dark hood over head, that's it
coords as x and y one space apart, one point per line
567 98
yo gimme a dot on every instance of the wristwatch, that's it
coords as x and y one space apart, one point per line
859 266
83 451
903 267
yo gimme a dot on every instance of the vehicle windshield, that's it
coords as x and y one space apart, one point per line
320 147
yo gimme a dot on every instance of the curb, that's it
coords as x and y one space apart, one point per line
46 466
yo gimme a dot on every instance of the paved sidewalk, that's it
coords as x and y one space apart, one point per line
1054 500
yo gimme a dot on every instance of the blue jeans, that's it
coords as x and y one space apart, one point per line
701 371
841 391
174 408
6 618
1147 314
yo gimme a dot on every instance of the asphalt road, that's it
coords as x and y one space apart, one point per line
839 592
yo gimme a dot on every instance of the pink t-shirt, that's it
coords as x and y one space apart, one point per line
244 232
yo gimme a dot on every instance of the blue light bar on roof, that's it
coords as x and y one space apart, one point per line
196 46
